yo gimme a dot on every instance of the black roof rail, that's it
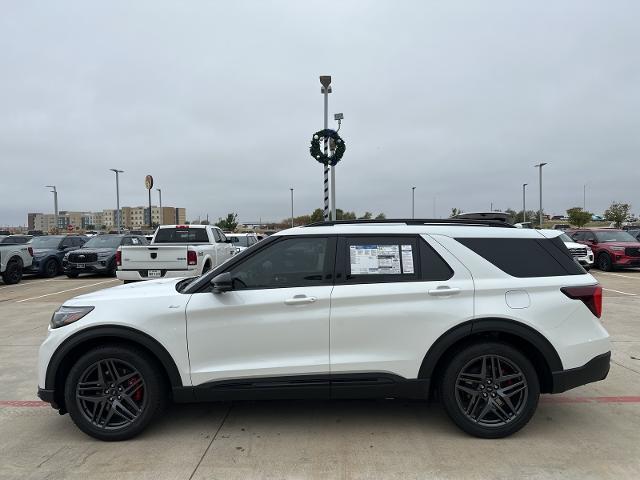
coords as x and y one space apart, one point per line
418 221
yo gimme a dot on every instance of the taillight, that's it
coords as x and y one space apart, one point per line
192 258
30 249
590 295
118 258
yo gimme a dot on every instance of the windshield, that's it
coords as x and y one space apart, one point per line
614 236
566 238
45 242
103 241
239 241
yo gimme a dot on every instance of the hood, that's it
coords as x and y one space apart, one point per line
575 245
81 251
146 289
620 244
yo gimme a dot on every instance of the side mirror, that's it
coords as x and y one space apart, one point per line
228 240
222 283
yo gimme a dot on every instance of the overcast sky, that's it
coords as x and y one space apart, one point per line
218 101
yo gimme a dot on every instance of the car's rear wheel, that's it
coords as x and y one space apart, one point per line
604 262
13 273
490 390
113 392
51 268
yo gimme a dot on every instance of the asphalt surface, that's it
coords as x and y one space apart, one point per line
591 432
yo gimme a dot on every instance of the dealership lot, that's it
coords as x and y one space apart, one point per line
590 432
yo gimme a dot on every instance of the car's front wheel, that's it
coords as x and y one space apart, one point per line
490 390
604 262
113 392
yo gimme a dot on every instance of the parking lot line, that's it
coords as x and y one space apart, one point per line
26 284
618 291
64 291
619 275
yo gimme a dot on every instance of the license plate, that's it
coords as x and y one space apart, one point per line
79 265
154 273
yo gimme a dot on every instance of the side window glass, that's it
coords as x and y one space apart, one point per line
216 235
135 241
590 237
381 259
66 243
126 241
293 262
433 266
223 237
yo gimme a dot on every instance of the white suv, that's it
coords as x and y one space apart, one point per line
486 316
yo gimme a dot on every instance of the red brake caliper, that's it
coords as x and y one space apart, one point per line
137 396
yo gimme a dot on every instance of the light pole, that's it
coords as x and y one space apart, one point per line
325 80
413 202
55 202
584 197
118 219
160 195
291 207
524 202
539 166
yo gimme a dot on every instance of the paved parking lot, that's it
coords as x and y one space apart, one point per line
591 432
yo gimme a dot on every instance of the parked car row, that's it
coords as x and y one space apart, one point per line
611 248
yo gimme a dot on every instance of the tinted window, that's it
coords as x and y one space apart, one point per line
103 241
380 259
614 236
433 266
216 235
223 238
293 262
526 257
239 241
45 242
181 235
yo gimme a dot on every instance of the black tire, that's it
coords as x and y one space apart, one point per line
604 262
586 268
472 400
121 409
51 268
206 268
13 273
111 272
72 274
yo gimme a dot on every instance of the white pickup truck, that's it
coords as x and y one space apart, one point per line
13 258
175 251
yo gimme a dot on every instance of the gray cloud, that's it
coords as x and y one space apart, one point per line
218 100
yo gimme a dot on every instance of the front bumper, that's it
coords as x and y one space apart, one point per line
48 396
101 266
586 261
624 261
594 370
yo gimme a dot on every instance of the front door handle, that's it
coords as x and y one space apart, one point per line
299 300
444 291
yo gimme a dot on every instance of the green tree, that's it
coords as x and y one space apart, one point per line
618 213
578 217
317 215
381 216
367 216
229 224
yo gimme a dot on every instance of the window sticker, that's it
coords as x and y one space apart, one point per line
375 259
407 259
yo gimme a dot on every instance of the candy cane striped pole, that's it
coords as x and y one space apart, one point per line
326 185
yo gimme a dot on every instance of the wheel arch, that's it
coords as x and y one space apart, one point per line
16 257
532 343
75 346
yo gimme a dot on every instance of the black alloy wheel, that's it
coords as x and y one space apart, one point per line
490 390
604 262
13 272
114 391
51 268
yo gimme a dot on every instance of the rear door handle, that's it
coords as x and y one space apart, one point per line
444 291
299 300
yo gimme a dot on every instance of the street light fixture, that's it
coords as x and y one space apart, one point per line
55 202
539 166
524 202
118 219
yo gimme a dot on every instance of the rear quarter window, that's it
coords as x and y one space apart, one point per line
186 235
526 257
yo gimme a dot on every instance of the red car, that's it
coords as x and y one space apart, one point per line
612 248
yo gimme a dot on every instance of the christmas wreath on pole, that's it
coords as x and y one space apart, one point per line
336 146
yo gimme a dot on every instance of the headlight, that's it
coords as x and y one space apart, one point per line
589 250
66 315
66 255
617 249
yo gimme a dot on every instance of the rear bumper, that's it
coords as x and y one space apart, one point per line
139 275
594 370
